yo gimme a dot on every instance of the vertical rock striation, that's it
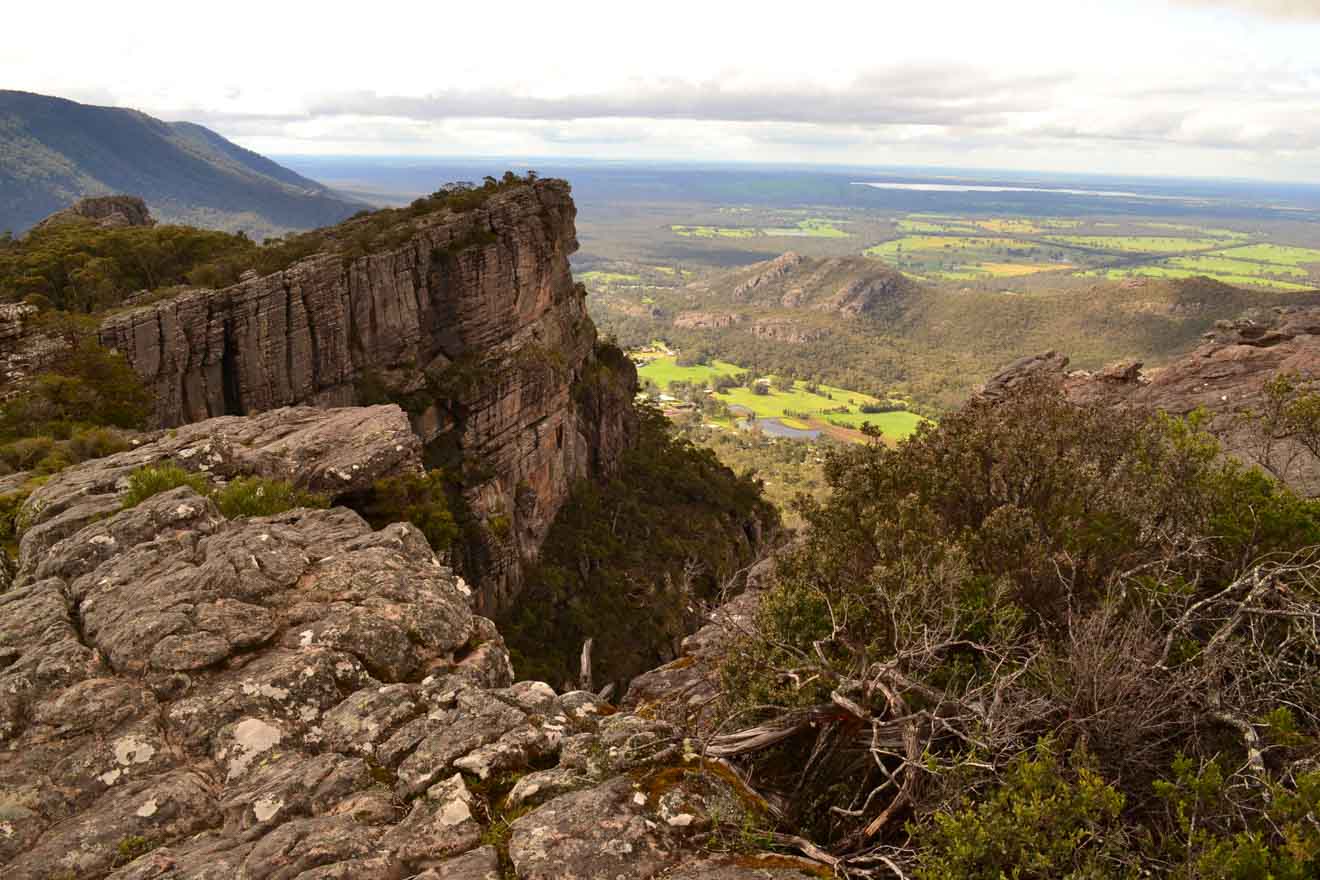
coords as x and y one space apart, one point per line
471 319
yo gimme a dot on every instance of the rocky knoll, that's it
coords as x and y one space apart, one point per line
470 317
107 211
1225 376
298 696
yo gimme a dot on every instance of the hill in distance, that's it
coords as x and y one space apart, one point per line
54 152
857 323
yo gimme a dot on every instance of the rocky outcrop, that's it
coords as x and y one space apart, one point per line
338 452
25 348
1224 376
104 211
787 330
768 273
470 318
706 320
863 296
187 697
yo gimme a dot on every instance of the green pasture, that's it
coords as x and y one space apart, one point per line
812 227
715 231
1215 264
1275 253
663 370
1171 272
594 278
1140 244
775 404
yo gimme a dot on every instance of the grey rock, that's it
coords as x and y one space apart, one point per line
603 833
480 864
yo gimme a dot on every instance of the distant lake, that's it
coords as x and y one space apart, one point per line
776 428
967 187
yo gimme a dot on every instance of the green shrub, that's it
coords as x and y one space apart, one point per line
1043 822
258 496
1035 568
90 443
23 455
157 478
629 559
421 499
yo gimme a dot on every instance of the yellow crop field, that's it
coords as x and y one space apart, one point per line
1008 270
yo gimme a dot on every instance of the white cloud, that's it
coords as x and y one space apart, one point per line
1190 86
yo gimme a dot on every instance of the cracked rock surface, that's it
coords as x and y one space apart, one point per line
302 697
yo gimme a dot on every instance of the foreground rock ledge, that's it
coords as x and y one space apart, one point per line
301 696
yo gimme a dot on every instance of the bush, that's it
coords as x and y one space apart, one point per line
629 560
244 496
421 499
157 478
90 443
23 455
1043 822
1035 571
258 496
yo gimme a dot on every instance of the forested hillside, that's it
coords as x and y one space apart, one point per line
54 152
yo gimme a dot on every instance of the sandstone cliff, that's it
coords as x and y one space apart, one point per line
299 697
470 318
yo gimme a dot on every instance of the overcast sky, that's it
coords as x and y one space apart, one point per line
1224 88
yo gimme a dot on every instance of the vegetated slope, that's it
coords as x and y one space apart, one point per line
53 152
855 322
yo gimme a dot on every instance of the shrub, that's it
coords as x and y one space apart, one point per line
1043 822
92 443
1033 570
23 455
157 478
258 496
420 499
629 560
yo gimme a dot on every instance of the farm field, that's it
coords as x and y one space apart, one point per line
812 227
1169 272
593 278
938 247
808 409
1273 253
969 257
1141 244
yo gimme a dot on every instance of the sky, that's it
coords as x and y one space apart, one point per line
1212 88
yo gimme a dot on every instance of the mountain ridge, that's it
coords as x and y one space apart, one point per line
54 151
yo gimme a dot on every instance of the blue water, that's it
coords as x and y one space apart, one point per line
776 428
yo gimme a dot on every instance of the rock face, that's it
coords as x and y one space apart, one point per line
334 452
706 320
24 349
105 211
787 330
473 318
186 697
1225 376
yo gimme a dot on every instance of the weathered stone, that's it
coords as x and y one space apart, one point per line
475 719
542 785
480 864
746 868
440 825
156 810
336 452
603 833
104 211
1225 376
